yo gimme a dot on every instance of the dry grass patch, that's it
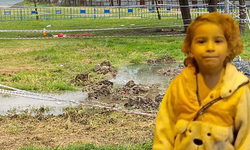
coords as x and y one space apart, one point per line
16 69
87 125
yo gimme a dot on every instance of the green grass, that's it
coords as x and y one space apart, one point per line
88 23
81 146
52 64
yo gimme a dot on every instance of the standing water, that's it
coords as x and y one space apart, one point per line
140 74
143 74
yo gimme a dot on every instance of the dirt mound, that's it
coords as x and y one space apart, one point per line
106 69
164 59
136 96
100 90
81 77
79 35
171 72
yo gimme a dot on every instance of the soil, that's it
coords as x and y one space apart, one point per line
131 95
79 35
155 31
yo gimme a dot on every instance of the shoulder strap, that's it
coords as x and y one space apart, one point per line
205 107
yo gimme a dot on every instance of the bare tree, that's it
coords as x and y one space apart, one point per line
212 5
37 17
185 13
111 3
243 12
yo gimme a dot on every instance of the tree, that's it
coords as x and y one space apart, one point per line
37 18
243 12
212 5
185 13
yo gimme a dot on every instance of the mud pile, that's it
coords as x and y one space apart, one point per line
131 95
171 72
106 69
82 78
164 59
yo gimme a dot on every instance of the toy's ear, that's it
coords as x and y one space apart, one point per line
220 134
181 126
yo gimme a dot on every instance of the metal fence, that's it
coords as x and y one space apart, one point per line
141 11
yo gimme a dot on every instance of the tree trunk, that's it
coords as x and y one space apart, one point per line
37 18
212 6
243 12
111 3
185 13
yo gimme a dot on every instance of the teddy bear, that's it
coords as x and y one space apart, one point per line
198 135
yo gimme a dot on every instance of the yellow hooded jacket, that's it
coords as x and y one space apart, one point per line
225 125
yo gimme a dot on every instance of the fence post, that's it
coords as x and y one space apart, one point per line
94 13
70 13
141 12
47 14
119 12
21 17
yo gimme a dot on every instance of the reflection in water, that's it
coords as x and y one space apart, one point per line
20 103
143 74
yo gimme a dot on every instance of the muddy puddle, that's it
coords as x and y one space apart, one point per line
141 76
14 104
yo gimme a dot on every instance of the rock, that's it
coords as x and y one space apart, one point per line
130 84
97 67
109 76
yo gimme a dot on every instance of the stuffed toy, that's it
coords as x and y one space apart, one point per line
204 136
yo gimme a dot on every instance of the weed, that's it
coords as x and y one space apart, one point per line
13 128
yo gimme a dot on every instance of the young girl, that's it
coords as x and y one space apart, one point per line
207 106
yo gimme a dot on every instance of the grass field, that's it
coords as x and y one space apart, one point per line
37 64
51 65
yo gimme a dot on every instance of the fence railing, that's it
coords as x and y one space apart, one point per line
141 11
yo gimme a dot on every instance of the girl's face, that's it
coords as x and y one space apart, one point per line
209 47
